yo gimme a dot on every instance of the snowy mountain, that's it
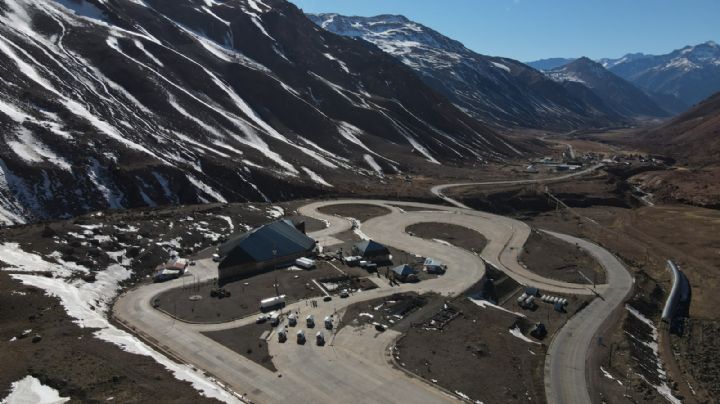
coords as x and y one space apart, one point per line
124 103
690 74
619 95
497 91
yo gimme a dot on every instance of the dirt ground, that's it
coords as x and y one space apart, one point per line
311 224
70 359
474 354
361 212
458 236
245 294
556 259
247 342
465 348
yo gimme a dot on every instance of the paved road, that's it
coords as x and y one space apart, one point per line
565 364
438 189
354 367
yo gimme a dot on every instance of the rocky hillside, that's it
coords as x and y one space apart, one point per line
621 96
497 91
690 74
124 103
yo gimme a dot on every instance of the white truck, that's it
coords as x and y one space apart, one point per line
272 303
305 263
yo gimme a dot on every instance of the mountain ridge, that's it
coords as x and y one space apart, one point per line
495 90
620 95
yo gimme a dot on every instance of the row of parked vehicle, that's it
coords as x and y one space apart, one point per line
293 321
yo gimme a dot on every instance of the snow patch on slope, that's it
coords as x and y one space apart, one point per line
30 390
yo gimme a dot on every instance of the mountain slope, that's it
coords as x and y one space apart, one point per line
123 103
498 91
618 94
693 137
690 74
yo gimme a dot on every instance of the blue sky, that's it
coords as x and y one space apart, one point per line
534 29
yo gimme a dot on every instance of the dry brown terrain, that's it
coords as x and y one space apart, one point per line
458 236
361 212
556 259
247 342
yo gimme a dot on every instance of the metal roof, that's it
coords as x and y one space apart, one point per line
369 247
258 244
404 270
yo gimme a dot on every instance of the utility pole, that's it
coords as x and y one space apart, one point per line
274 251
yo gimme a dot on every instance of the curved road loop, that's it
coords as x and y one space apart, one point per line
356 365
438 189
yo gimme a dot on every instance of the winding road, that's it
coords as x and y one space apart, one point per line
355 366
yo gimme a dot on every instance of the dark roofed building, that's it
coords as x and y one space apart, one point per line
371 250
274 244
405 273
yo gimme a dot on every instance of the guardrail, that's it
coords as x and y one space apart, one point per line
672 300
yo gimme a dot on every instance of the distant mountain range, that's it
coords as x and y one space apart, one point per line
619 95
675 81
497 91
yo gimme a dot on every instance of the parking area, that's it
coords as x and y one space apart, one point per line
194 302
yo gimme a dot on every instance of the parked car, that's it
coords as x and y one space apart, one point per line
216 257
344 294
329 323
261 319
